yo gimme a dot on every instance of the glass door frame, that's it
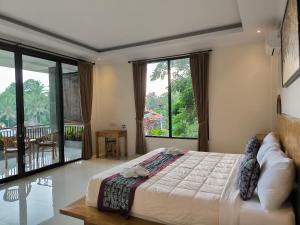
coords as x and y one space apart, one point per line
19 51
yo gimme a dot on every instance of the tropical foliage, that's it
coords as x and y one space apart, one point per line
73 133
36 104
184 117
8 106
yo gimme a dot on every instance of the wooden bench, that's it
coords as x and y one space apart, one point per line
91 215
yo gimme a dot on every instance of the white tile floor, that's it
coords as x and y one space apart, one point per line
37 199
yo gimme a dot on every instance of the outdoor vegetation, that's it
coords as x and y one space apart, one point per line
183 113
36 110
73 133
36 102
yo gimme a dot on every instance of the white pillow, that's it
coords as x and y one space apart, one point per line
270 142
265 148
276 180
271 138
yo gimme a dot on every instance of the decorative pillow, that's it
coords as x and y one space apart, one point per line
276 181
242 165
248 177
252 147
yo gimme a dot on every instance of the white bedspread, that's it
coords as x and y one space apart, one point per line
193 190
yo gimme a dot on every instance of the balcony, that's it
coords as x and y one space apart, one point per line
41 147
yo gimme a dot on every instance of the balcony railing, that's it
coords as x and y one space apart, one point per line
71 131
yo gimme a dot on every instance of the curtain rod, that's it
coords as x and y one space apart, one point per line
169 57
41 50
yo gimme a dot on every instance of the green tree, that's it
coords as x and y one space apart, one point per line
151 101
184 117
36 103
8 106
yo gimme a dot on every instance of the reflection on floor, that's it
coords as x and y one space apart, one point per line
37 199
41 161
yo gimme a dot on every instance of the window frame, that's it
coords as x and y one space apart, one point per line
168 61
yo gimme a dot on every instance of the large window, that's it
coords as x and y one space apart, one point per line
170 108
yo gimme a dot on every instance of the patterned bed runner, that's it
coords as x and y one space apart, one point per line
116 192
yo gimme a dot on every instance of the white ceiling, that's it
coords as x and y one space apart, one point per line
108 23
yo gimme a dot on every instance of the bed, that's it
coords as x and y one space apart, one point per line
189 190
198 188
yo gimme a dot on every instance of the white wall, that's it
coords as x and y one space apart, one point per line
290 95
240 95
113 103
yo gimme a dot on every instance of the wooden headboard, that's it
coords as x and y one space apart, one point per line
289 133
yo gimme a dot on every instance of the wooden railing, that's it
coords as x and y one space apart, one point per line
37 131
71 131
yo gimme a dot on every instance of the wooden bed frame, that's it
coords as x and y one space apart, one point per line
91 215
289 132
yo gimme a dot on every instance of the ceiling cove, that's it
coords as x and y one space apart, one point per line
123 46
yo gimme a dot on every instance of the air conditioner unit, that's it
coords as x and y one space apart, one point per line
273 43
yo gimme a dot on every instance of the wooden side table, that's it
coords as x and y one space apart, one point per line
112 134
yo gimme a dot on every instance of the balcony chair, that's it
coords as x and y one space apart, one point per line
11 149
48 143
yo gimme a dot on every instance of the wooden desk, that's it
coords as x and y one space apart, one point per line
112 134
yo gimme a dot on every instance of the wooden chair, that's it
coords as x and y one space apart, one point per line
48 142
110 147
11 149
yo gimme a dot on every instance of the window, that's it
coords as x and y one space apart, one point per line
170 108
73 125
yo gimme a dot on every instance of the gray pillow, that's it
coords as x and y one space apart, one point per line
248 177
252 147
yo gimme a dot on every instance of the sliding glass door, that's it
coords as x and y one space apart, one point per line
73 125
8 116
40 112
